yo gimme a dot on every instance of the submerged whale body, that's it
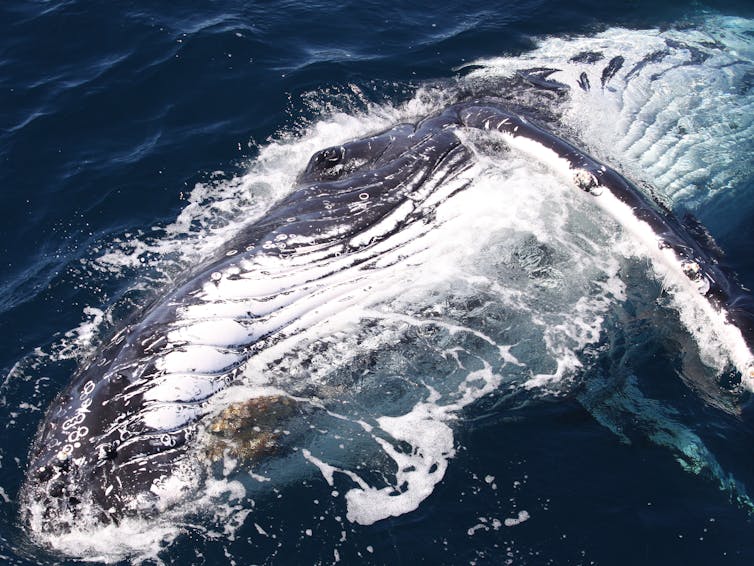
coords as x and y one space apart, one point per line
123 426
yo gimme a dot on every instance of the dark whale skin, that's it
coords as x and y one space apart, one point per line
95 447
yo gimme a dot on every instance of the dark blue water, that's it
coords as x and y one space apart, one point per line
111 113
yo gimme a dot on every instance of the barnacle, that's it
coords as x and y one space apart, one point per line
249 429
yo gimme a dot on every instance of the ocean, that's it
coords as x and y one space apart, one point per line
520 387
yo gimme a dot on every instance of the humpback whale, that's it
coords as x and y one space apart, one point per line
123 426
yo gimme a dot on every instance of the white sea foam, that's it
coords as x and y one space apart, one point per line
143 539
513 521
679 124
679 121
78 342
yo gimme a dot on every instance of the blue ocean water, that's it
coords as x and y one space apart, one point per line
117 118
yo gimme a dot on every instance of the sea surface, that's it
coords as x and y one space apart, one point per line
525 390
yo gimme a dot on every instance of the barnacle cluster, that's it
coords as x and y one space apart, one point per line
249 429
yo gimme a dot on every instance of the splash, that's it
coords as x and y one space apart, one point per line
677 114
504 288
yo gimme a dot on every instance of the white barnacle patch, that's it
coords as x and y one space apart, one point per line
586 181
65 452
691 269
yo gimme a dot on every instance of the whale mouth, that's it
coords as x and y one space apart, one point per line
465 300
